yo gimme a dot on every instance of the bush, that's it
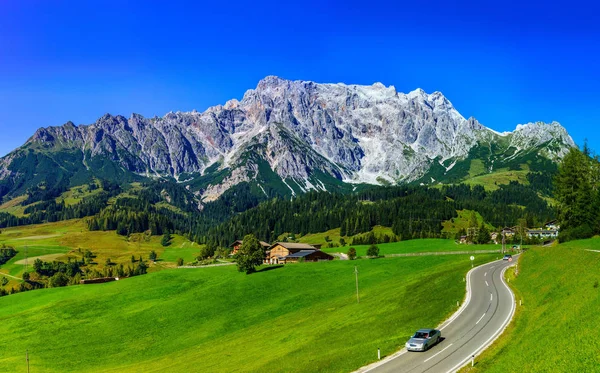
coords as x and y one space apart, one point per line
179 262
206 252
373 251
352 253
59 279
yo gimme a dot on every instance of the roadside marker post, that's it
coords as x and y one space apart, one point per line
378 353
356 273
472 259
473 361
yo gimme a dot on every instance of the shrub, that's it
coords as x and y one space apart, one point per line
352 253
59 279
179 262
373 251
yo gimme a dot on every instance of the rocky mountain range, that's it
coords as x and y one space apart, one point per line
285 136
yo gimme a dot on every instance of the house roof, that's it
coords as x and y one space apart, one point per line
263 243
300 254
293 245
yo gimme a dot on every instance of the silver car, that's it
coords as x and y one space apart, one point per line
423 339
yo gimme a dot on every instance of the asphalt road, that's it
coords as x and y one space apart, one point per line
487 310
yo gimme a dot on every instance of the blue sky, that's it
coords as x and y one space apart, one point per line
503 62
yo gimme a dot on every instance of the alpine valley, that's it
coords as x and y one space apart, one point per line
285 138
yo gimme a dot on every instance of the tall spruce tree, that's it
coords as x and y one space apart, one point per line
576 192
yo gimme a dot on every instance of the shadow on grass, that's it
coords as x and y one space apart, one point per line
269 268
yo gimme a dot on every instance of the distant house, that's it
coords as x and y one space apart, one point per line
508 232
463 239
552 225
237 244
494 236
288 252
542 233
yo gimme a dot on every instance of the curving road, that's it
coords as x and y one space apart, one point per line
486 312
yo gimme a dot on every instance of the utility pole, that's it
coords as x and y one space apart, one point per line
356 274
25 258
503 241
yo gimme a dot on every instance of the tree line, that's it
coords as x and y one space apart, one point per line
577 190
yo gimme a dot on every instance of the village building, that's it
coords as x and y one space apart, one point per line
552 225
508 232
289 252
237 244
542 233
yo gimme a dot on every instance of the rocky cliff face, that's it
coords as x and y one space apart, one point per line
352 133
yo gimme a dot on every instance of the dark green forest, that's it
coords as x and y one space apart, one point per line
411 211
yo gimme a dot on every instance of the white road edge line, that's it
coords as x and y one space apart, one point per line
485 274
498 333
482 316
491 297
447 347
444 324
486 284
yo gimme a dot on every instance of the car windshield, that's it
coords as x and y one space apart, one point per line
420 335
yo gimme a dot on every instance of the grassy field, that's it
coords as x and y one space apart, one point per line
556 329
297 318
67 237
415 246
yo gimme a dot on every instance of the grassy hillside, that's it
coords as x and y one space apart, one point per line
415 246
493 180
301 317
556 329
462 222
333 236
67 237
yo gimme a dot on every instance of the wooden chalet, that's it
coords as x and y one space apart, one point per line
237 244
552 225
289 252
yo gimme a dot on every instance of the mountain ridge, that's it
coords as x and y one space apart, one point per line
349 133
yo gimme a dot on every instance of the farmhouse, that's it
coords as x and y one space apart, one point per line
542 233
288 252
508 232
552 225
237 244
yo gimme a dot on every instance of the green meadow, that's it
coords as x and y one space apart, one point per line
67 237
415 246
556 328
295 318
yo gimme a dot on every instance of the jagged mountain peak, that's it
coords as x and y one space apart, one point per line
354 133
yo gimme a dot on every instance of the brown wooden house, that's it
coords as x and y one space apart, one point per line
237 244
286 252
